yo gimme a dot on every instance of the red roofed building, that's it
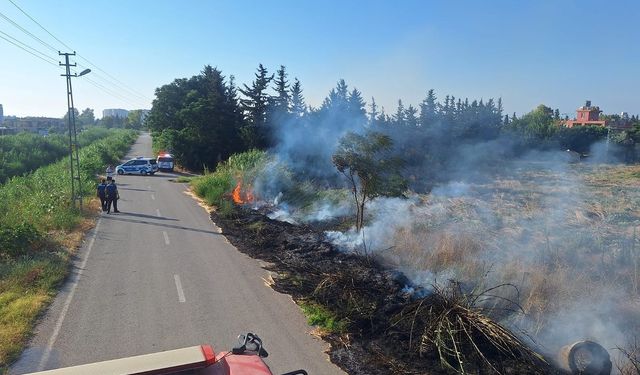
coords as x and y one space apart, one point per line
586 115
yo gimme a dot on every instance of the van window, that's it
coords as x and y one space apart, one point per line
165 159
153 161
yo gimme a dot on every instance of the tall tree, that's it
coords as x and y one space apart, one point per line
282 100
86 118
298 106
254 106
373 113
428 109
399 118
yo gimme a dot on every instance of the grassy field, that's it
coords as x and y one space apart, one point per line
565 242
560 243
39 233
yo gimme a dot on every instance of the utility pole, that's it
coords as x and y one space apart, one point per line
74 159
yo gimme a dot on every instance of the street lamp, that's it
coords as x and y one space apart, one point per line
74 159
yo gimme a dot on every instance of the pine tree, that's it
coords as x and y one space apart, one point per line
255 107
373 113
411 117
428 109
281 101
399 118
298 106
355 104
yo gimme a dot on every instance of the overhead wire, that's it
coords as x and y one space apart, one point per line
40 55
117 81
121 91
27 32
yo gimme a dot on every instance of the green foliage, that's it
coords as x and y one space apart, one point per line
25 152
536 127
16 237
197 119
580 138
370 168
318 315
44 195
215 188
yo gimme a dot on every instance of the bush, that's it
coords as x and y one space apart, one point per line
215 188
14 239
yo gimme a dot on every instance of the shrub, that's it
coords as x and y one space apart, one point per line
14 239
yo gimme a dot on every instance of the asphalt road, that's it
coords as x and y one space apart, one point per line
159 276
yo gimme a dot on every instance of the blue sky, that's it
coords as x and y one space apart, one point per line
556 52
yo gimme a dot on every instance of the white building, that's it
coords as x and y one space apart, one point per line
115 112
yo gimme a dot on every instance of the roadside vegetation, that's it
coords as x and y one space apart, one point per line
39 231
25 152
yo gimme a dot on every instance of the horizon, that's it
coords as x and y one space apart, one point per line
526 54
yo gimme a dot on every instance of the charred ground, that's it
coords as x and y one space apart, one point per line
385 329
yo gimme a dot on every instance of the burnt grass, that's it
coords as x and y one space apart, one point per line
385 325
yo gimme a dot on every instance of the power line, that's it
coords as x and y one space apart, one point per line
44 56
117 82
26 50
124 85
28 33
38 23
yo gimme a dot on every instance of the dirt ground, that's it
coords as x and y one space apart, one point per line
387 328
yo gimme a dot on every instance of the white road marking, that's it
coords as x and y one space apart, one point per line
166 237
158 212
74 281
148 186
153 197
179 287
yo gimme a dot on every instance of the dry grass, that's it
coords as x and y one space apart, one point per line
450 323
560 237
28 284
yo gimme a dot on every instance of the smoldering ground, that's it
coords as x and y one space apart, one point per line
484 213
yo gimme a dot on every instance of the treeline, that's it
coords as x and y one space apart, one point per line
87 119
206 118
25 152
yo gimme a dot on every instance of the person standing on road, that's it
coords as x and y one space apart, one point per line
112 196
110 171
102 194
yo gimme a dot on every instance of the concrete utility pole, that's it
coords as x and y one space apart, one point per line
74 159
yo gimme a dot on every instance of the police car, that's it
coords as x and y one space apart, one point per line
140 165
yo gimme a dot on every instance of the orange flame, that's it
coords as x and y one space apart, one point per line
237 194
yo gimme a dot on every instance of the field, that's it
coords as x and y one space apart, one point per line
562 241
549 250
39 231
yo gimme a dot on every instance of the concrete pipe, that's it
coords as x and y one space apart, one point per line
586 358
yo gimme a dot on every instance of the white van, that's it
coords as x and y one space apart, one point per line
165 162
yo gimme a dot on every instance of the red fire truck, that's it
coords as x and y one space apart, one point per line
243 359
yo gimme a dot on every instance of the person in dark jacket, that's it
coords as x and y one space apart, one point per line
112 196
101 193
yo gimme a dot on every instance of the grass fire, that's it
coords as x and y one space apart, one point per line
457 241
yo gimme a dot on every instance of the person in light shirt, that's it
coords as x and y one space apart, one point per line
110 171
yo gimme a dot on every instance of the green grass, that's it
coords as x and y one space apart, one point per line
37 220
215 188
318 315
27 285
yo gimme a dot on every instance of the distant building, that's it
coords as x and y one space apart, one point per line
40 125
587 115
1 115
115 112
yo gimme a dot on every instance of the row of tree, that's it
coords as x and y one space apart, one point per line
206 118
87 118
